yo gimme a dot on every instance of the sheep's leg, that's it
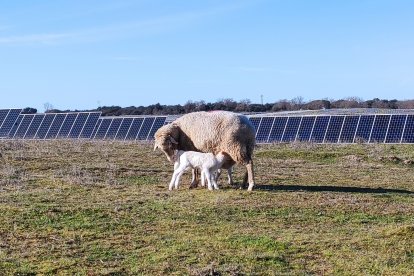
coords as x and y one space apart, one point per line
194 178
249 176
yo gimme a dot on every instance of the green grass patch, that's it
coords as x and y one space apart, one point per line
103 208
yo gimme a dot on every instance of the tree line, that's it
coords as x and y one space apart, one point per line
244 106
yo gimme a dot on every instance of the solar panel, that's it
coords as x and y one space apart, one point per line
305 129
103 128
3 114
278 128
95 129
113 128
15 126
134 129
334 129
123 129
379 129
159 122
78 125
291 129
145 129
55 126
9 122
34 126
23 126
67 125
89 125
319 129
348 129
255 122
408 136
364 128
395 129
45 126
263 132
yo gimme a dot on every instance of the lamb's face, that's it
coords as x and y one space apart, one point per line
168 145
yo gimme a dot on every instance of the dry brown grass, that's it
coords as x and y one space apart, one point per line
93 208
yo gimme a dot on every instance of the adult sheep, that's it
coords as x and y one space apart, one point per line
211 132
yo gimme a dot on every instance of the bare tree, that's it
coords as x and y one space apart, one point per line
47 106
243 106
406 104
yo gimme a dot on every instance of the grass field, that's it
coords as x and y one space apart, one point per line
102 208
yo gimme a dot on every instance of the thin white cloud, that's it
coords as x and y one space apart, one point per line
126 58
125 29
262 69
36 38
252 69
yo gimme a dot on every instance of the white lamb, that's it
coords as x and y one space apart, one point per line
207 162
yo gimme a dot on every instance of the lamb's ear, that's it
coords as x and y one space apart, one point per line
155 146
172 140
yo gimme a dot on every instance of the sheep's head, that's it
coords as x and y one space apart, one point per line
165 141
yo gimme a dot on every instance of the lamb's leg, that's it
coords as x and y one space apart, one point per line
173 179
230 176
218 173
214 181
176 177
203 179
177 181
208 176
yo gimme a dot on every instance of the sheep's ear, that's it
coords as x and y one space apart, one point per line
155 146
173 140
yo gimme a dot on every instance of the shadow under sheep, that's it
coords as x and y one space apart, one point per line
315 188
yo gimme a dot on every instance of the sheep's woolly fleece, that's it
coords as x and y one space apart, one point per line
212 132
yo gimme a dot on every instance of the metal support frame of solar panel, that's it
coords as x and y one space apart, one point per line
128 128
74 125
378 128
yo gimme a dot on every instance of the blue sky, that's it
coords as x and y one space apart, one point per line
82 54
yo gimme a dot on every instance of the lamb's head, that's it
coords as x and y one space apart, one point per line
224 159
166 140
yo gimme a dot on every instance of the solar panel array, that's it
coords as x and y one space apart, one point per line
380 128
128 128
54 125
77 125
331 127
